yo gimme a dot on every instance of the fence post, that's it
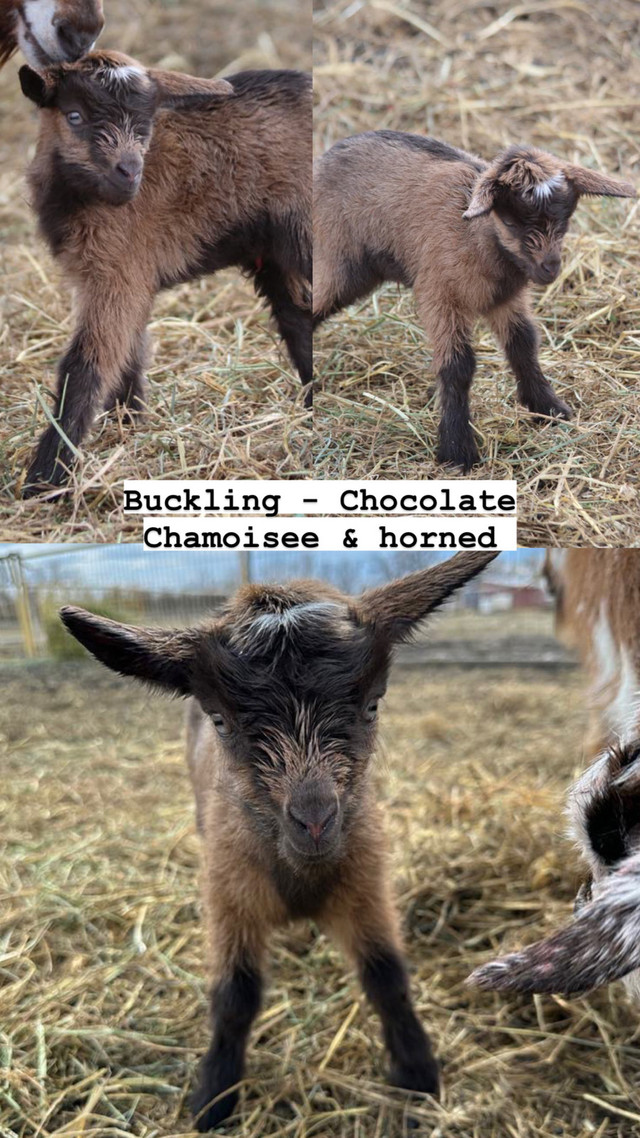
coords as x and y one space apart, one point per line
23 606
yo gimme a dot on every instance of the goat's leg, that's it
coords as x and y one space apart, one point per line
241 907
363 919
131 390
516 333
293 320
235 1002
91 368
455 364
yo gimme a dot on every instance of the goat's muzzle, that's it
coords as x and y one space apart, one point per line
547 270
126 175
312 819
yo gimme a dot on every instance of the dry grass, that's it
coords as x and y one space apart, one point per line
102 1003
564 76
224 402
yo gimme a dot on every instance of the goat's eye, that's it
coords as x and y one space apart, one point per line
221 725
74 118
371 710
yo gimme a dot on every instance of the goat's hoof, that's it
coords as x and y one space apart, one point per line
34 488
209 1113
423 1077
465 457
550 405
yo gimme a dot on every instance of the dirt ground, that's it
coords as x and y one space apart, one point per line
102 999
563 76
224 402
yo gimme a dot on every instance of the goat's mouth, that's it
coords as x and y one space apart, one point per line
115 193
544 276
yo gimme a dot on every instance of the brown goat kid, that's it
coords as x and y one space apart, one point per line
285 686
49 31
466 236
144 179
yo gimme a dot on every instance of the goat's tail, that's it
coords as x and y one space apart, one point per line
601 944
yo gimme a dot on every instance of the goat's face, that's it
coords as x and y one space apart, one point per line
530 197
290 678
291 685
57 31
99 120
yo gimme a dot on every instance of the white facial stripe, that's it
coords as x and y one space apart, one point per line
543 190
622 714
35 22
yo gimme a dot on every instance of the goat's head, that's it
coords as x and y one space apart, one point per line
290 677
531 196
602 943
57 31
99 120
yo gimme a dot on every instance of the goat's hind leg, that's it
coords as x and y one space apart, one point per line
516 332
293 320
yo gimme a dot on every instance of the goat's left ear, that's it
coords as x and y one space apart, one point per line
483 196
395 609
592 182
160 656
35 86
177 92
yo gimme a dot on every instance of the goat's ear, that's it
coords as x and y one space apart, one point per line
159 656
395 609
592 182
179 92
601 944
35 86
483 196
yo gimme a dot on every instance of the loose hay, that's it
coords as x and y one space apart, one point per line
224 401
102 1001
564 77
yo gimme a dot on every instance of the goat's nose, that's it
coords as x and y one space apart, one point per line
129 168
551 265
313 816
73 41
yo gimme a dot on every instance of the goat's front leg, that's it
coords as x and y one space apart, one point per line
363 919
516 332
241 907
235 1002
455 363
91 370
131 391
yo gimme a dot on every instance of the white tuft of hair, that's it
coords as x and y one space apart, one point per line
542 191
122 74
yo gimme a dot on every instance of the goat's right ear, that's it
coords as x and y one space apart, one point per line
160 656
483 195
35 86
395 609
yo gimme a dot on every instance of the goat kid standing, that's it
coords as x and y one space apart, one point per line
467 236
285 686
49 31
597 612
143 179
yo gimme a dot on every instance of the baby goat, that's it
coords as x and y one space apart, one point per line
144 179
49 31
597 595
285 686
466 236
